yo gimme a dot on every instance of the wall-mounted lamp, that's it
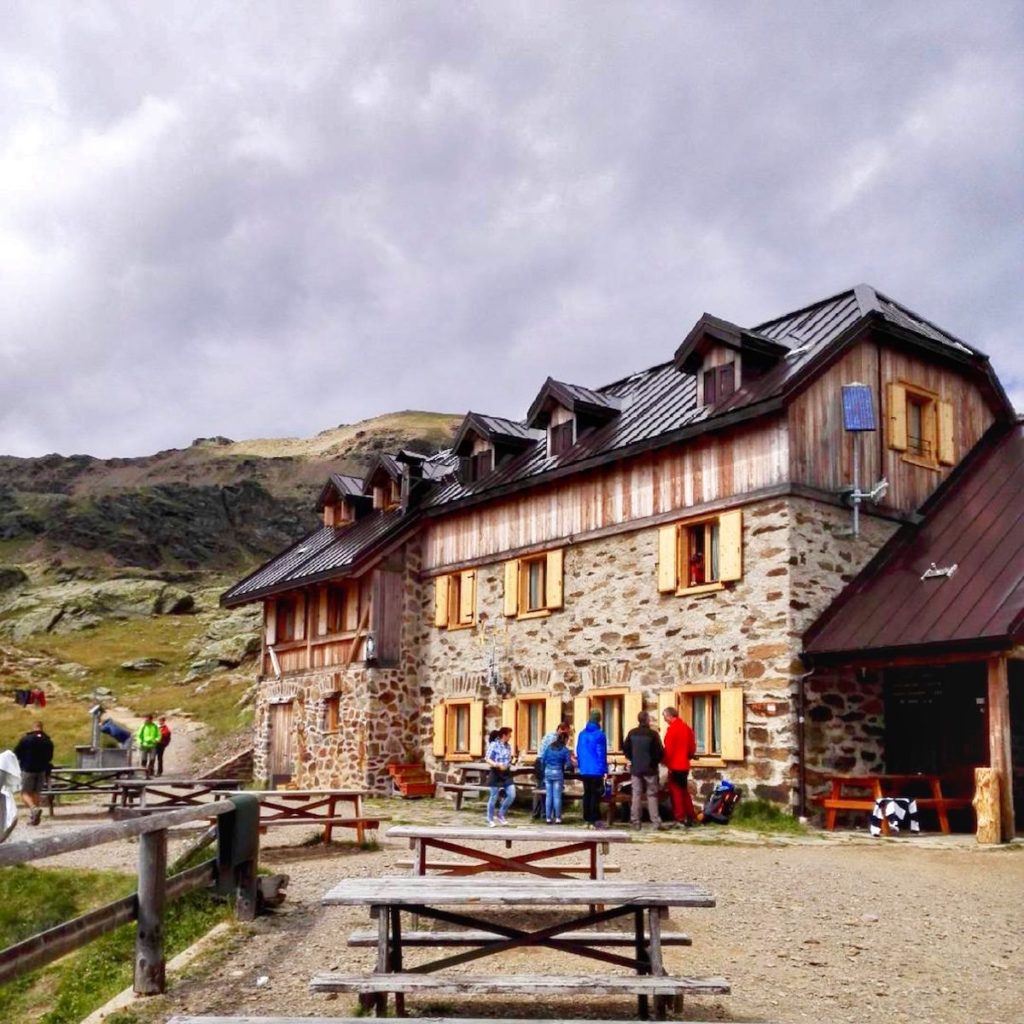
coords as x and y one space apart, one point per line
370 648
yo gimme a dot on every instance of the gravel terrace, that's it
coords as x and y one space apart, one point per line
833 927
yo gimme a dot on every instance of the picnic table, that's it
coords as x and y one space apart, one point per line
67 781
548 844
134 796
582 905
860 793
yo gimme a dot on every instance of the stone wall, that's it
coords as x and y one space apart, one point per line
617 630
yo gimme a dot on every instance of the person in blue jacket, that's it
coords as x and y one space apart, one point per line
556 758
592 758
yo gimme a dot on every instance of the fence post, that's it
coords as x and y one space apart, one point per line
150 965
238 853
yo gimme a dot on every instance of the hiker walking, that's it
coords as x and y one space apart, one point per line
35 758
148 740
165 740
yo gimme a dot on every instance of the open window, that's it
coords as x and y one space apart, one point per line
455 600
702 554
530 716
921 426
459 729
715 713
285 619
619 709
533 585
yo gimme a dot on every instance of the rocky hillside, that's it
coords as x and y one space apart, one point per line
110 569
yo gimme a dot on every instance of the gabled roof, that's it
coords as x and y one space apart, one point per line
384 465
339 486
595 404
974 521
495 429
710 330
326 553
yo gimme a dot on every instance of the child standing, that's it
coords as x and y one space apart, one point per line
556 759
499 757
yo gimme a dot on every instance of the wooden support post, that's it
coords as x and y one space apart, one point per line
246 885
150 965
999 742
986 805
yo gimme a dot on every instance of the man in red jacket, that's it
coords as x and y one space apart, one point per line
680 746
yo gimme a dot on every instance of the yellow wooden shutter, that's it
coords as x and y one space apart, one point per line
552 713
580 713
553 579
686 708
668 548
947 448
512 588
300 617
508 718
441 601
897 416
632 705
476 728
439 730
666 699
730 545
270 621
467 598
732 724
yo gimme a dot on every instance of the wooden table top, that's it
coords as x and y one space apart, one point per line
444 890
537 834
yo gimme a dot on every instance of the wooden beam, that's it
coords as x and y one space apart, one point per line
1000 758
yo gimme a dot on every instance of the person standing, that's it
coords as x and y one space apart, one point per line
499 759
680 746
165 741
35 758
556 758
643 749
592 758
562 729
148 739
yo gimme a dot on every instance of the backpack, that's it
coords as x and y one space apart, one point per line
719 806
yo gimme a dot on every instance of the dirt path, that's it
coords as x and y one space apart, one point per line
836 928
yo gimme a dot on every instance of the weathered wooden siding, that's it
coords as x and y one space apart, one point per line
821 453
712 468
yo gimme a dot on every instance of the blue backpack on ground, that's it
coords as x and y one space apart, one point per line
719 806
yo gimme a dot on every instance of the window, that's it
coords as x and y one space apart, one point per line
920 425
715 713
455 600
561 437
700 554
619 710
719 383
336 600
479 465
459 729
533 585
388 495
530 717
332 712
286 622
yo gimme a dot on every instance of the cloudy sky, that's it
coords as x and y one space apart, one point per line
267 219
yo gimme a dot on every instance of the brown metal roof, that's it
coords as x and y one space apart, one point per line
975 521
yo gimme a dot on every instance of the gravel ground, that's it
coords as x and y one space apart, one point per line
826 927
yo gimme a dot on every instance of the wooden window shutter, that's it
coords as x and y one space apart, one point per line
300 617
441 601
439 730
632 705
732 724
897 417
730 545
666 699
270 621
508 718
476 728
947 449
552 713
553 579
467 598
580 713
512 588
686 708
668 552
321 621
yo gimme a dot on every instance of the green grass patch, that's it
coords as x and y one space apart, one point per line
762 816
32 899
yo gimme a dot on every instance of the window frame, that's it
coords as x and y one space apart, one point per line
630 704
722 549
449 605
447 715
731 718
936 444
517 584
561 437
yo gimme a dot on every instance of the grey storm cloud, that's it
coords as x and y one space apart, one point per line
266 219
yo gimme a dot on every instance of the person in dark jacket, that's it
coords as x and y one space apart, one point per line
643 749
592 761
35 758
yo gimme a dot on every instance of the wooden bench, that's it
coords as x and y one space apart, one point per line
842 796
371 936
451 866
458 790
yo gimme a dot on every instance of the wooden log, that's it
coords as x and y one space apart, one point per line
986 805
150 964
1000 758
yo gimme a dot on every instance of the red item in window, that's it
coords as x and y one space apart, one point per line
696 569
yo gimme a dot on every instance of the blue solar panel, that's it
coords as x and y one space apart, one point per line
858 409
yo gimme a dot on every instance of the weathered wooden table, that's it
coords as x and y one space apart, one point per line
144 796
433 897
64 781
851 793
553 843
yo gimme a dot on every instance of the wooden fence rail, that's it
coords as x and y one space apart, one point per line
233 868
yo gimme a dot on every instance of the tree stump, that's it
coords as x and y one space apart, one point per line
986 805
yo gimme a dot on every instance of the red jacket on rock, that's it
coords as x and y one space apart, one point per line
680 746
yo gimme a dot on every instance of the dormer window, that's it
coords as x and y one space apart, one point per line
569 412
387 496
483 443
561 435
479 465
719 383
